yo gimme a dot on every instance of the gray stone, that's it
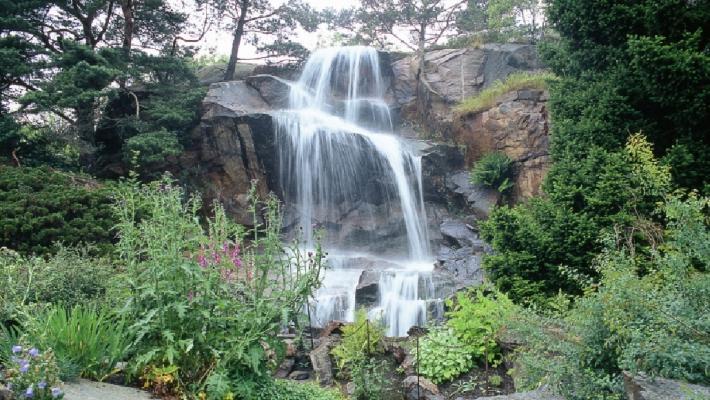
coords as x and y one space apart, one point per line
367 290
479 199
463 264
232 99
89 390
426 390
285 368
274 90
459 234
321 361
299 375
539 394
5 394
641 387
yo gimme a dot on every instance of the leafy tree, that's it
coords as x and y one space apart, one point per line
256 20
504 20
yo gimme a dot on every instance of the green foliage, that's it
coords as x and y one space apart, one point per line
361 339
530 242
487 97
32 373
279 389
494 170
41 207
443 356
368 376
151 148
202 302
548 244
84 339
648 314
476 317
67 278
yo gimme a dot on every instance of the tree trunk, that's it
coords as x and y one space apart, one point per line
236 41
85 122
128 26
422 92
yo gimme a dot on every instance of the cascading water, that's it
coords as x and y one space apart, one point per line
336 139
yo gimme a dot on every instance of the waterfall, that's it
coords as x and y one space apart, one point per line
337 151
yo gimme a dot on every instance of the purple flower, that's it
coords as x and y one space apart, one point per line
29 393
33 352
24 366
56 393
16 349
41 385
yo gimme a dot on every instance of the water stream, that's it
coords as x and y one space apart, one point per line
338 155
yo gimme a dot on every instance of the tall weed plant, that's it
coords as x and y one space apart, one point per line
86 341
206 304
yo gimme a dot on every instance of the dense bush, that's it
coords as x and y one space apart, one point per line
649 313
548 244
67 278
442 355
494 170
41 207
205 307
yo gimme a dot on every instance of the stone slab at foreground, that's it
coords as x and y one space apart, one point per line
89 390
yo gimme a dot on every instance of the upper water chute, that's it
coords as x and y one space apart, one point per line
336 137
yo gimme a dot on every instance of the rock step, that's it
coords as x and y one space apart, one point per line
90 390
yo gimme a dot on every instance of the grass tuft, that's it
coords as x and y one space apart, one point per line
487 98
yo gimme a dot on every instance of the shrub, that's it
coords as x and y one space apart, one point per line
368 377
40 207
69 277
494 170
476 318
487 98
32 374
204 306
648 313
442 356
279 389
361 339
151 148
84 339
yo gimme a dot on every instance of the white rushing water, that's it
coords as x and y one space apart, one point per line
335 137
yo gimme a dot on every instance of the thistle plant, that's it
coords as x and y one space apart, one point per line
33 374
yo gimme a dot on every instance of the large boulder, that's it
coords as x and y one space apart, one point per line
641 387
232 147
420 388
273 90
321 361
367 292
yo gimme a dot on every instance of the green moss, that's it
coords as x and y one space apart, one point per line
487 98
